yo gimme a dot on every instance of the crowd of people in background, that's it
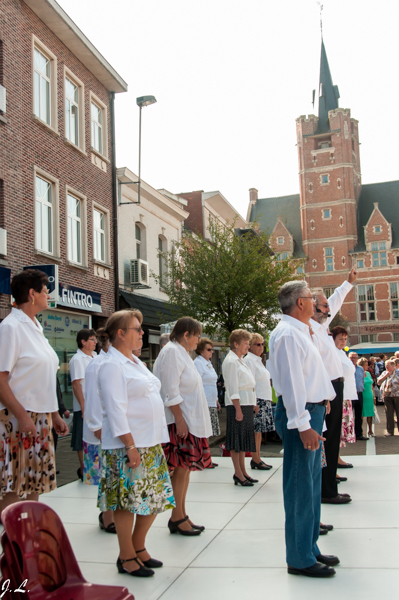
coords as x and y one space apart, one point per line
138 435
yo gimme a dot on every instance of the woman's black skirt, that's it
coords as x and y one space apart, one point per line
240 435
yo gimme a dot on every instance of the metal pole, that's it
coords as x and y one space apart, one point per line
139 194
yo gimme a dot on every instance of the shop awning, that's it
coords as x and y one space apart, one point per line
377 348
155 312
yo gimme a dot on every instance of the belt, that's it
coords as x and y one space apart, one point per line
338 379
323 402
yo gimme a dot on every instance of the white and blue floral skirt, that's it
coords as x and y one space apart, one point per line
146 490
91 463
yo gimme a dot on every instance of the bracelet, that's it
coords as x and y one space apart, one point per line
132 447
177 422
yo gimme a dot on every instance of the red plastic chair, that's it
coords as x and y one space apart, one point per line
36 547
11 572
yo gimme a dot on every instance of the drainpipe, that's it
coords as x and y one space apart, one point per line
114 200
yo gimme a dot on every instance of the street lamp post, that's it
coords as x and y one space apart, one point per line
141 101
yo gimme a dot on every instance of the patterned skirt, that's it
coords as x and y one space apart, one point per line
348 425
240 435
264 421
191 453
91 463
323 456
213 413
27 463
146 490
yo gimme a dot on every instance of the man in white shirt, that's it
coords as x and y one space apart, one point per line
324 312
303 387
86 340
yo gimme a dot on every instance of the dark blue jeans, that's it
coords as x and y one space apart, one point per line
301 488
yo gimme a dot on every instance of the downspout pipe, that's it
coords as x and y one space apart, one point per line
114 201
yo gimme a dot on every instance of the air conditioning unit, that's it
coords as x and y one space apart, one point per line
2 99
3 241
138 272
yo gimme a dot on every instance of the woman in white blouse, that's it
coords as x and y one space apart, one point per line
29 407
209 378
340 335
134 473
187 416
240 402
264 421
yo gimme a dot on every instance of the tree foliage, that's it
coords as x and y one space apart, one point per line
229 283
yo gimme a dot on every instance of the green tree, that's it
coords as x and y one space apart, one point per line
229 283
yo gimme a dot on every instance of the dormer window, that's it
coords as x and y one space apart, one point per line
377 229
360 264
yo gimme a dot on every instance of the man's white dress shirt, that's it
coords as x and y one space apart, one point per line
297 371
131 403
263 389
92 418
238 381
77 369
30 361
325 342
182 384
209 379
349 369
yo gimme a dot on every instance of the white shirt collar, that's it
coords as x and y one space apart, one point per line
23 318
295 323
80 352
121 357
203 359
315 325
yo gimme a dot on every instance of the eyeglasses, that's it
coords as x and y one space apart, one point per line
312 298
209 349
138 329
325 305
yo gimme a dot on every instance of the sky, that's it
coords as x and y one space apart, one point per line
230 78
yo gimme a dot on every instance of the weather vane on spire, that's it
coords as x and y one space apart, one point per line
321 17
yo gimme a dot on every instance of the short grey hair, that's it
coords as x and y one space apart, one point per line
289 294
164 339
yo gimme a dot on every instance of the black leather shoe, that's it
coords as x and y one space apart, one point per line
338 499
261 466
316 570
362 437
199 527
174 528
327 527
345 466
323 531
151 563
140 572
110 528
328 559
243 482
339 479
251 480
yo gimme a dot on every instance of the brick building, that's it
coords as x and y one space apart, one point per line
335 222
57 184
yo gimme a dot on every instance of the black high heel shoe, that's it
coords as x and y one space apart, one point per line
261 466
110 528
251 480
141 572
151 563
244 482
174 528
199 527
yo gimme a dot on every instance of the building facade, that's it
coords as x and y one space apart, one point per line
335 222
56 168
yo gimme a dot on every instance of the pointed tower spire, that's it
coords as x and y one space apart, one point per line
328 93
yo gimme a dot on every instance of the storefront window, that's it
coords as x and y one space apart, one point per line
60 328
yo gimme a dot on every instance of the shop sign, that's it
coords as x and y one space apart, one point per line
5 281
74 297
52 274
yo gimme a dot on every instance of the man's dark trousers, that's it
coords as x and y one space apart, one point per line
357 406
329 488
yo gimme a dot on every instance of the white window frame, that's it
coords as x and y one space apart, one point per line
161 261
38 45
325 182
280 240
107 237
379 254
69 191
324 218
327 257
142 242
366 306
360 260
375 229
104 127
37 172
394 299
81 145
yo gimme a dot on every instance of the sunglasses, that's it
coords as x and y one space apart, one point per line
258 344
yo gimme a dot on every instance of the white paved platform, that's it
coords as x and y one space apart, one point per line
242 551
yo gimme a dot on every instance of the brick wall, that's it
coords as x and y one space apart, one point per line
195 220
25 144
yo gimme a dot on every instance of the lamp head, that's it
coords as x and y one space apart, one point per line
145 101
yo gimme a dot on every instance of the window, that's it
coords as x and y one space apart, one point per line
396 337
96 128
397 260
99 234
367 338
328 253
360 264
42 79
366 302
300 271
377 229
282 256
325 145
393 288
280 240
327 213
161 259
44 215
74 229
71 111
44 67
138 241
324 179
328 291
379 259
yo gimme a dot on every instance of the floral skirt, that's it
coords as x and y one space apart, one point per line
323 456
91 463
264 421
27 463
348 425
191 453
213 413
146 490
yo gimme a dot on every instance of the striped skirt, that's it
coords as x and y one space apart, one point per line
191 453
